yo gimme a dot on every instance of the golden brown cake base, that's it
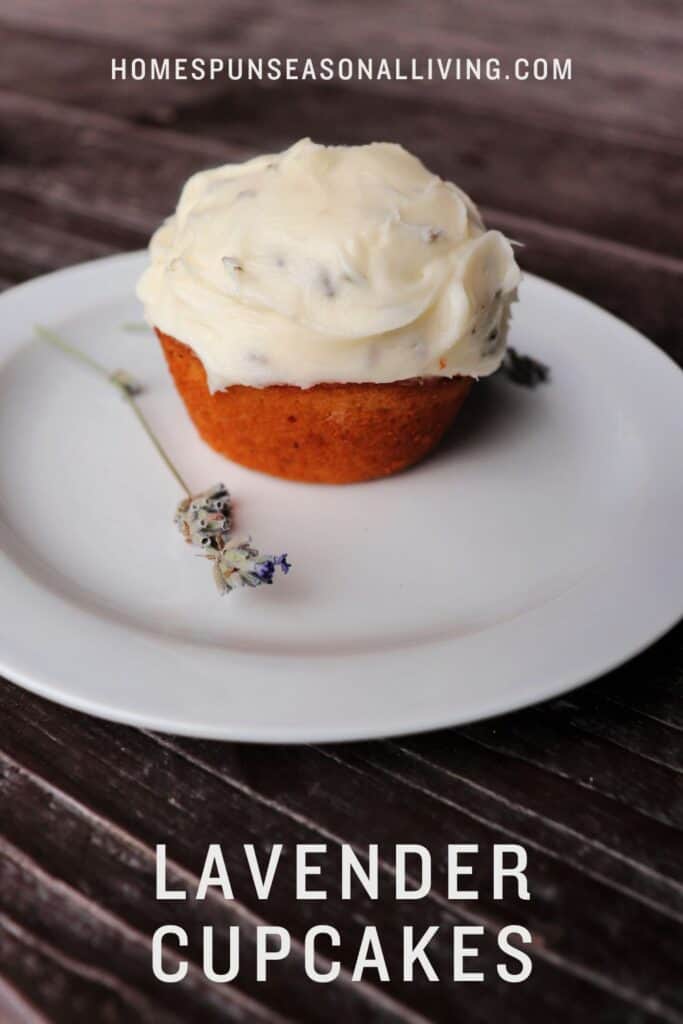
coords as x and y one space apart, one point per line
330 433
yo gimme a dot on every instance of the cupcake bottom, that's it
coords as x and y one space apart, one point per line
329 433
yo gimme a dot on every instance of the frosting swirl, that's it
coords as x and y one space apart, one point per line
330 264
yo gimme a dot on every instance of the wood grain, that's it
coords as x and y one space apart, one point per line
314 796
588 175
627 57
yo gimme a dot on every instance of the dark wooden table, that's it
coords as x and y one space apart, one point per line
587 174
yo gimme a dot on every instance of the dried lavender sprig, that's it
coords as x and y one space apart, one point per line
124 384
205 520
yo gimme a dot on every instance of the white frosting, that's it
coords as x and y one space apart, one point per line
330 263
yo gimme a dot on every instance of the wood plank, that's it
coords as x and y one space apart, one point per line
586 828
108 972
626 63
350 817
117 773
651 683
33 245
623 726
112 871
193 813
99 165
52 983
549 742
453 775
76 71
666 709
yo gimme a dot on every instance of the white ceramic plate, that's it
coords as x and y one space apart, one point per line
538 548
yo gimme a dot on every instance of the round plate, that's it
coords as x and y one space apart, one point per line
539 547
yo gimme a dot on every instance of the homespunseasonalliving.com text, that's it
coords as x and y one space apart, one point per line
343 69
402 872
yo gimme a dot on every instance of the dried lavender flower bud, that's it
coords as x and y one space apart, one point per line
206 519
241 565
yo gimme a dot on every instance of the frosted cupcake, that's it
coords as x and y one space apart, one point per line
324 311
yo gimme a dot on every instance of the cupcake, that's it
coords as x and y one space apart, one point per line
324 311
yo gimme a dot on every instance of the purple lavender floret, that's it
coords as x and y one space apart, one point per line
265 570
281 560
